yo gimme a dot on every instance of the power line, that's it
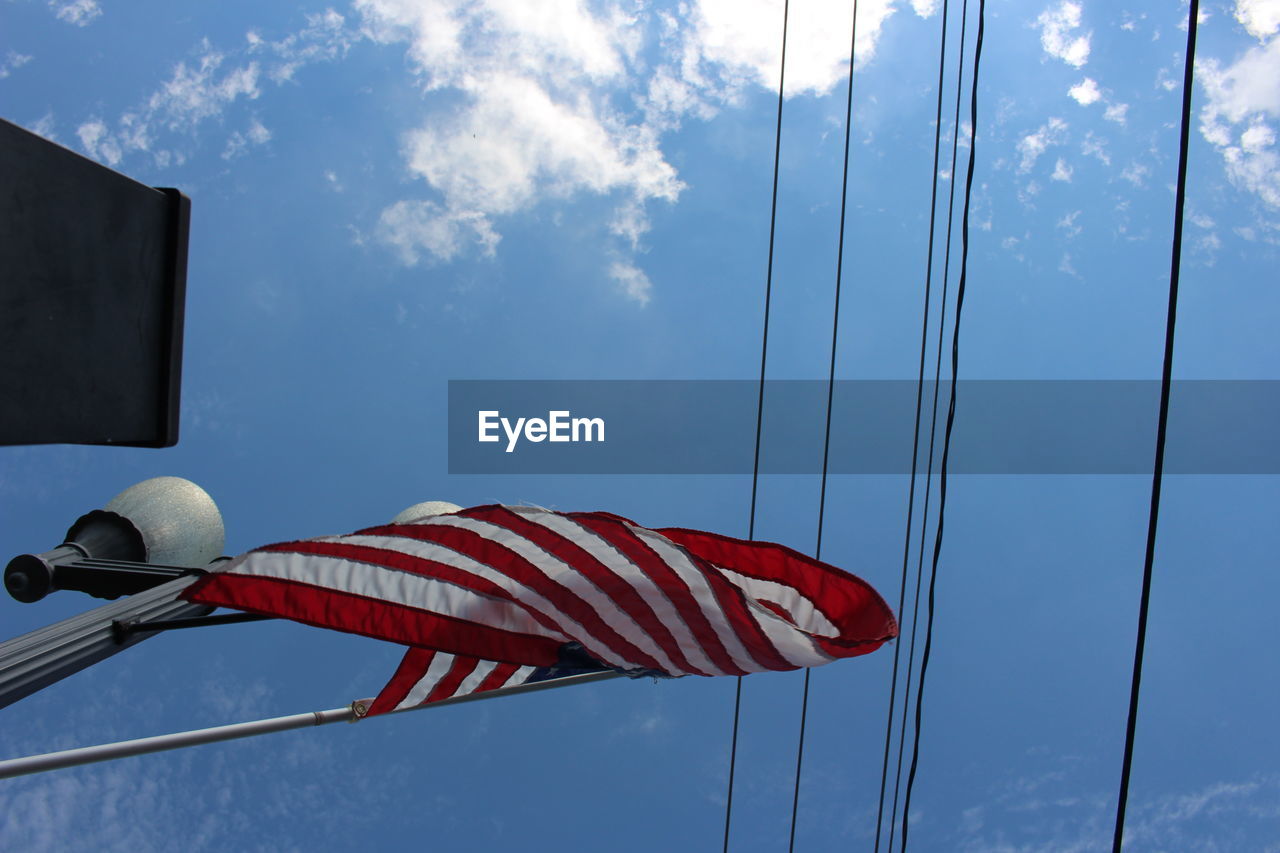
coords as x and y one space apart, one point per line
1166 379
764 354
915 451
831 384
951 414
937 384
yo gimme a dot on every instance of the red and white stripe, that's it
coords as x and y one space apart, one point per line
426 675
486 595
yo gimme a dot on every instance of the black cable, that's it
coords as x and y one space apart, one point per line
951 415
764 353
937 381
831 384
915 449
1166 379
733 760
795 797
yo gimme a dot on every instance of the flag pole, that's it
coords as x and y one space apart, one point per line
349 714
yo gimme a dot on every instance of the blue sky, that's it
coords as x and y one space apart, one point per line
394 193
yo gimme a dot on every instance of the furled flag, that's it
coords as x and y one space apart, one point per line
496 596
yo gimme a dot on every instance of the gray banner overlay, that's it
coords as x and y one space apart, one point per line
1001 427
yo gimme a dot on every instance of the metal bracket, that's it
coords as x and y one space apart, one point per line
122 628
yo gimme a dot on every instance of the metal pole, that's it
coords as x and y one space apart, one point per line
159 743
46 655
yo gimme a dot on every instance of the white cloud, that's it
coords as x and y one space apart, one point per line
238 143
1201 17
44 127
193 93
1033 145
632 281
1057 34
1260 17
742 36
414 227
324 38
1068 224
205 86
1131 21
1257 138
1116 112
1136 174
98 142
1062 171
198 92
537 119
1095 147
1200 220
78 12
1056 813
1248 86
1209 243
630 222
1243 107
560 101
1085 92
516 141
11 62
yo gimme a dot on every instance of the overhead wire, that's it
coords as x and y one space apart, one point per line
764 355
1166 381
915 445
951 416
831 381
933 407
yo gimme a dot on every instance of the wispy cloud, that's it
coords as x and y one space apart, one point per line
79 13
141 804
11 62
632 281
1068 224
1031 146
239 142
413 228
1050 812
201 89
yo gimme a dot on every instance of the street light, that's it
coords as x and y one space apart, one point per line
421 510
151 532
148 543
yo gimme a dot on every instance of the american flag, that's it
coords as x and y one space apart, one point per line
496 596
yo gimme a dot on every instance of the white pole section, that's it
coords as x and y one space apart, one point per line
159 743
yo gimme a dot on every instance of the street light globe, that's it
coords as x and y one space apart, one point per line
424 509
180 524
